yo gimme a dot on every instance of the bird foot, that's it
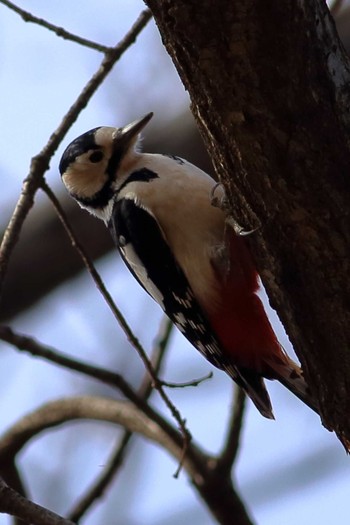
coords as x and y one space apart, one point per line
221 201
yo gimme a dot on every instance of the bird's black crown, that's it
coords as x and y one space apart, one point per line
78 146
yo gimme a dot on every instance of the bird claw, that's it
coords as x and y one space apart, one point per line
239 230
222 203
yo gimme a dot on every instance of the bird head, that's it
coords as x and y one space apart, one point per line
90 165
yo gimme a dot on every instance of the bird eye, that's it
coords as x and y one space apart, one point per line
96 156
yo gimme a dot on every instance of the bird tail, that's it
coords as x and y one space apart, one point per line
254 386
291 376
282 368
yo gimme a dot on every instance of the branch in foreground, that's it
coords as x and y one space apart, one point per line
11 502
59 31
40 162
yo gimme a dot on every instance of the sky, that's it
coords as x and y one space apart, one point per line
289 471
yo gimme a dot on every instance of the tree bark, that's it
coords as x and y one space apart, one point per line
269 84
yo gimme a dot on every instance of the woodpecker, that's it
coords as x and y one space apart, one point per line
177 245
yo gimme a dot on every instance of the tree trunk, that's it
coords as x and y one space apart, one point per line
269 84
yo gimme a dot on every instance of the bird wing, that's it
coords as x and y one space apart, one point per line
145 251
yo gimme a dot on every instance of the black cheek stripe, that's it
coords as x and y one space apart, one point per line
80 145
99 200
103 197
142 175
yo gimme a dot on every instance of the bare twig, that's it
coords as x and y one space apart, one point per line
59 31
229 452
40 162
117 313
11 502
192 382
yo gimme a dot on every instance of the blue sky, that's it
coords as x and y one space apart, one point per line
289 471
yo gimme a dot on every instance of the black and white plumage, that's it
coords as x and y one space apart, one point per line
175 243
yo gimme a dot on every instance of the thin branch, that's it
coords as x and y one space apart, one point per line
117 313
117 457
59 31
192 382
13 503
40 163
230 449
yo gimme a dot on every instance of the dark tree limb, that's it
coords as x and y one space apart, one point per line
270 88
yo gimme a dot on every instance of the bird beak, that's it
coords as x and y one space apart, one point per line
128 133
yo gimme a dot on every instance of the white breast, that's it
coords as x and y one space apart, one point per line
180 200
